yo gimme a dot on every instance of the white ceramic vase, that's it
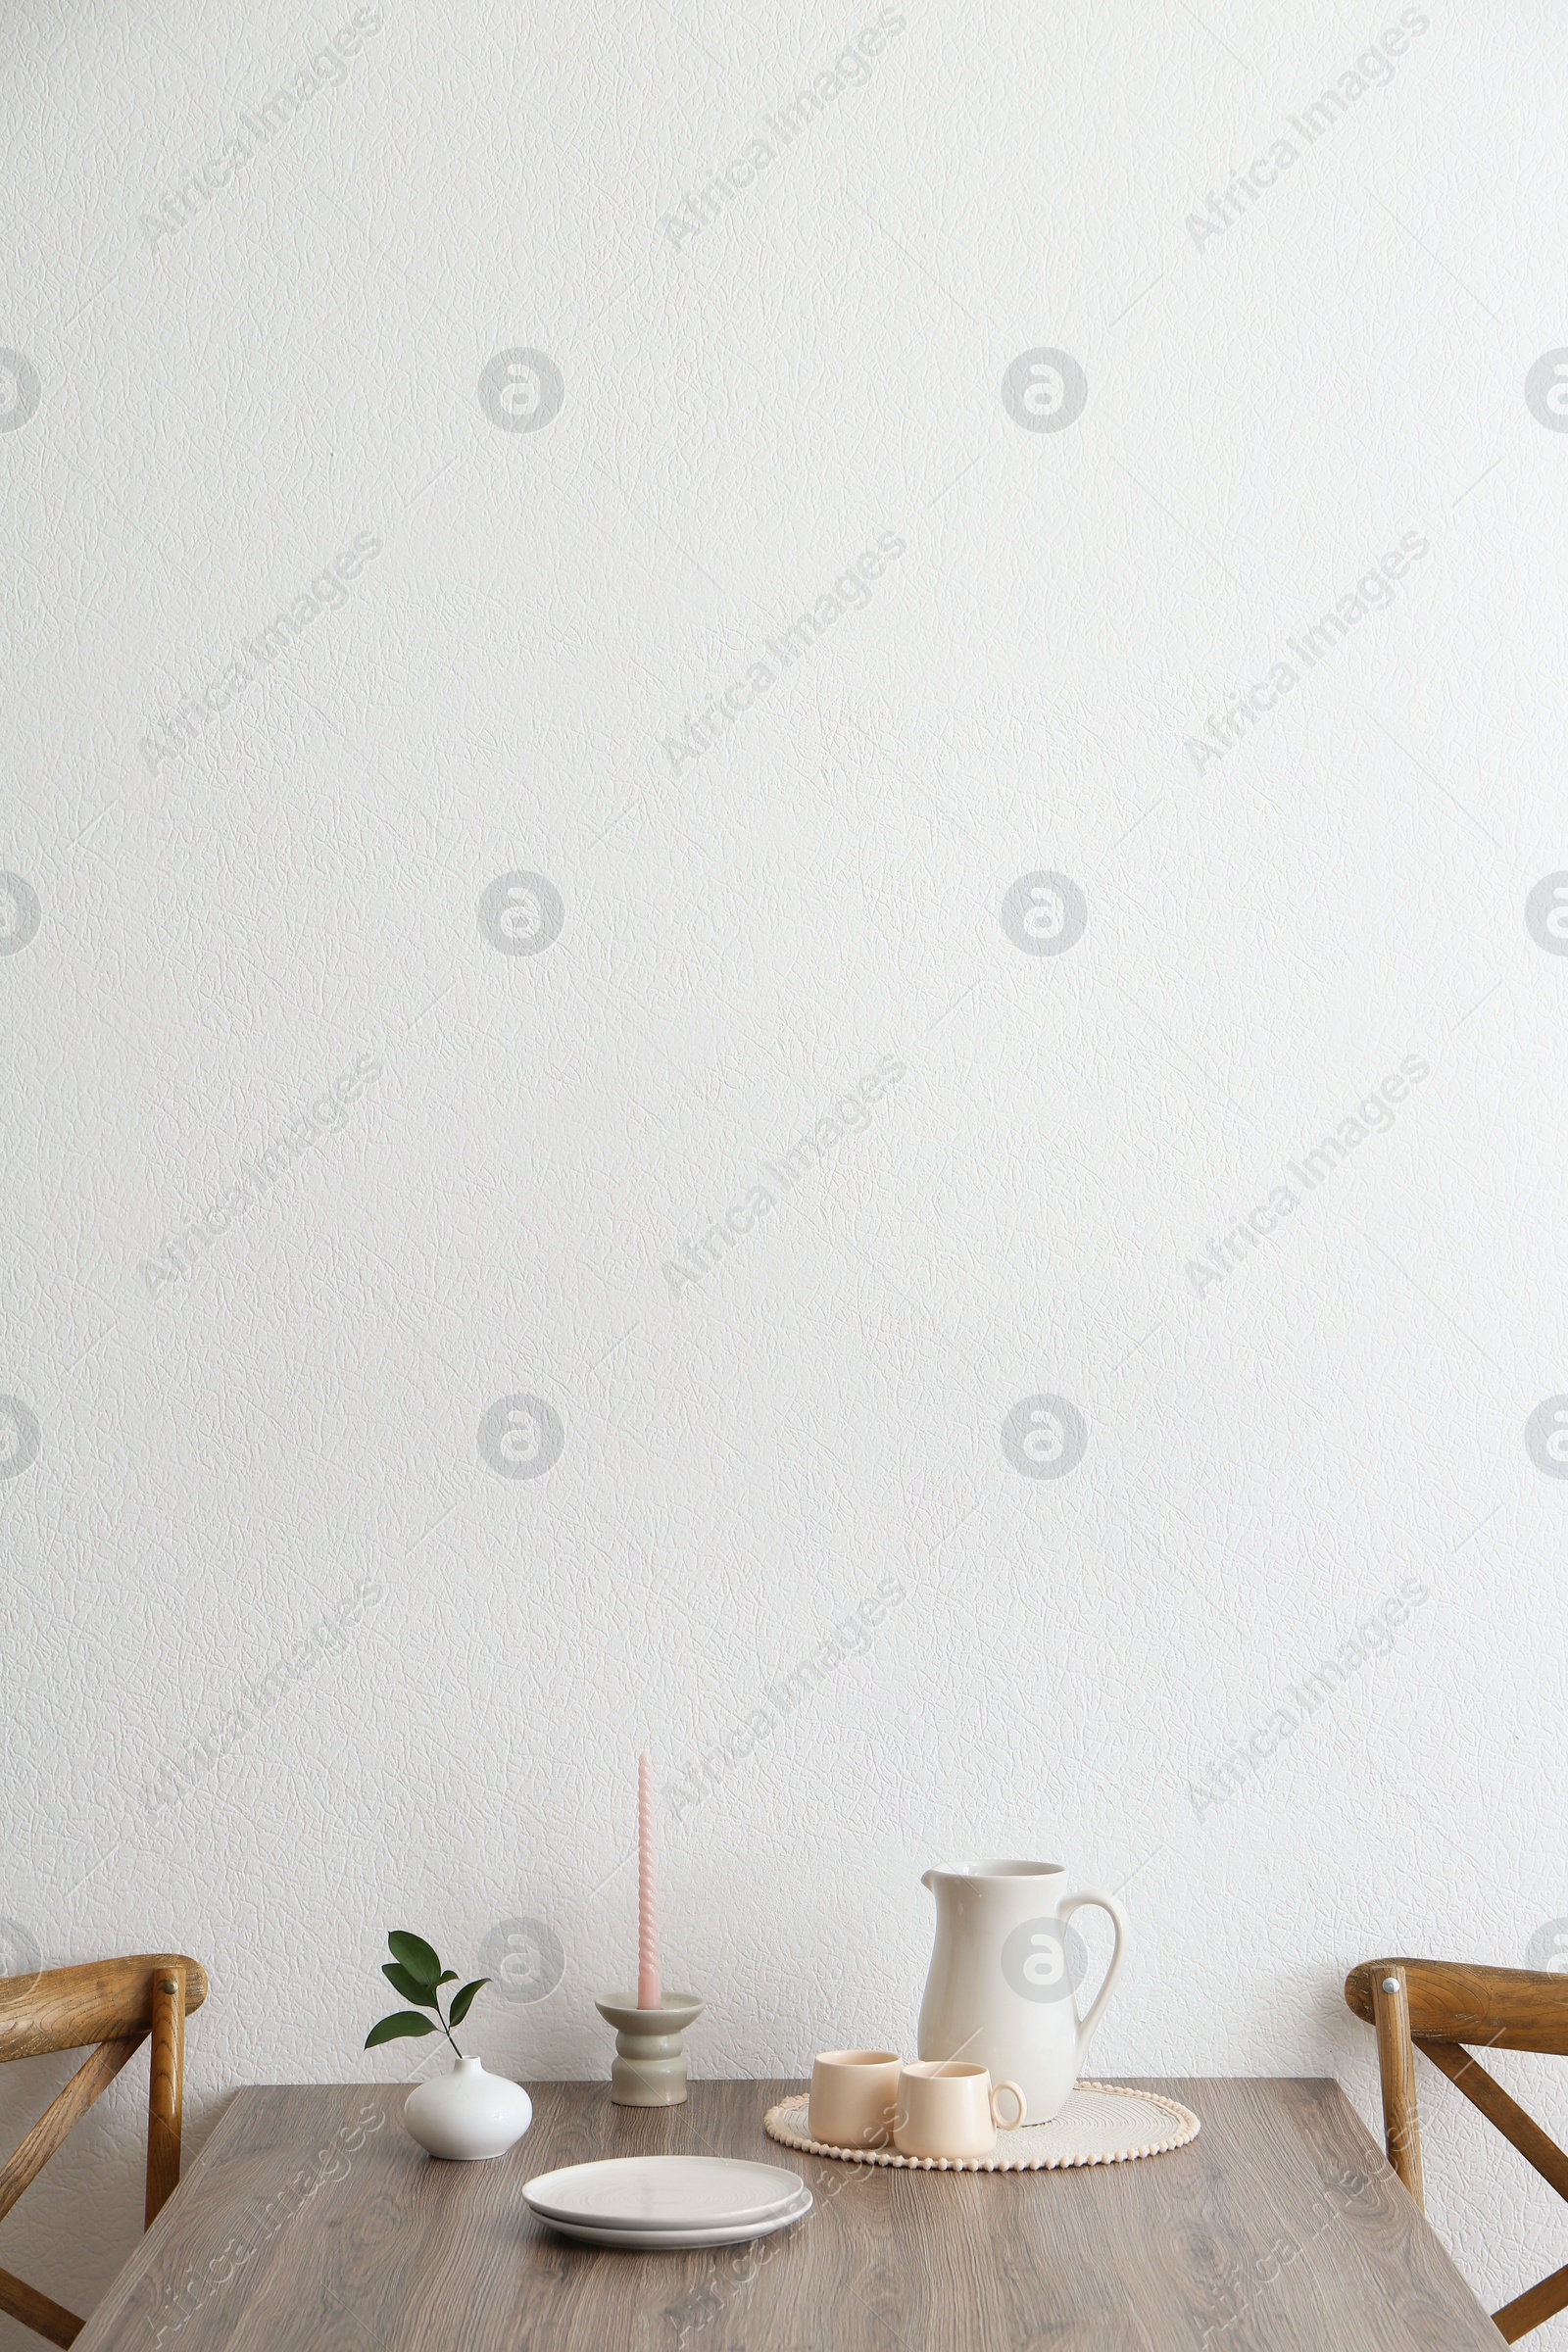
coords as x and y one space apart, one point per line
467 2115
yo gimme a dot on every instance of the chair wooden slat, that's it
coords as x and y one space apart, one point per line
103 2001
1445 2009
1531 2309
114 2005
166 2090
1484 2092
1499 2008
1401 2126
93 2076
48 2319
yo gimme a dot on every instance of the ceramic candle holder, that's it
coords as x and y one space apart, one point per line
649 2068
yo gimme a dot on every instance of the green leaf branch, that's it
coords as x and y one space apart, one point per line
416 1972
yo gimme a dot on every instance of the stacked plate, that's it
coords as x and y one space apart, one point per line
662 2204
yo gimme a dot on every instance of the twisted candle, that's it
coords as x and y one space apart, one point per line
650 1993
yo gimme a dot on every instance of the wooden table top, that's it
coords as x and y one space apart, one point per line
311 2220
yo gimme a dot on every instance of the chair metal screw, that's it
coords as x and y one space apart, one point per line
1390 1984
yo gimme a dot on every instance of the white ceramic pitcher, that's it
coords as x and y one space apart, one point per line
1000 1994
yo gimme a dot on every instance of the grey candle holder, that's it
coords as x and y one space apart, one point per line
649 2068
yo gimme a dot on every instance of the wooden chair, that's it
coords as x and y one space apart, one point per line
117 2005
1443 2008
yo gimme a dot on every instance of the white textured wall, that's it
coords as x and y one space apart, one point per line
287 1662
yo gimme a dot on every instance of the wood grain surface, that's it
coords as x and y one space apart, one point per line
1455 2000
1401 2120
166 2090
101 2000
115 2003
311 2220
1445 2009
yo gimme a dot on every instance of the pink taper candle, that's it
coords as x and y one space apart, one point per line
650 1993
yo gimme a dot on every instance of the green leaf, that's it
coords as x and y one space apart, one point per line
462 2002
403 2025
401 1980
416 1957
448 1976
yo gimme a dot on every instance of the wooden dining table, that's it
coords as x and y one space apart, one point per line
310 2220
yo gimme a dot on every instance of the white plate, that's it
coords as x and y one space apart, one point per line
676 2241
663 2193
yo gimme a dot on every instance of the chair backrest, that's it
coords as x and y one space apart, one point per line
114 2005
1445 2009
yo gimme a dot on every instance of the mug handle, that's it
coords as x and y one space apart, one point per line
1018 2101
1119 1920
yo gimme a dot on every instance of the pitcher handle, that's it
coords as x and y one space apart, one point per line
1119 1920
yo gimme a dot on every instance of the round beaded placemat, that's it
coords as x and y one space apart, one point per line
1102 2124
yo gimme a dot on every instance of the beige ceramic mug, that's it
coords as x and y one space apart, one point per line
951 2110
853 2094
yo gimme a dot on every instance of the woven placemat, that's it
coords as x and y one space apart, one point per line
1102 2124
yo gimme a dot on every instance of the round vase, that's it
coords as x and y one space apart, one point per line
467 2115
